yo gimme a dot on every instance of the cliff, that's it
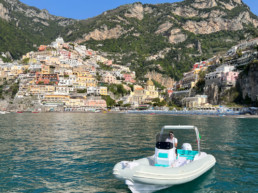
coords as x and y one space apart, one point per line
248 82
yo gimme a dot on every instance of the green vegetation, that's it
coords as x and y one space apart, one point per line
1 92
14 88
25 61
104 67
158 85
118 89
157 102
110 102
81 90
199 87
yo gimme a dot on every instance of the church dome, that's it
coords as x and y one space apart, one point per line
150 83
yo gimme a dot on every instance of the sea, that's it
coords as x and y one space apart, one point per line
76 152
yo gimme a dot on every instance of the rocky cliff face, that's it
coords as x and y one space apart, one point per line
12 9
165 81
248 82
4 13
213 94
196 16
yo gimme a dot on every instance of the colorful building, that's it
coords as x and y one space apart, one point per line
46 78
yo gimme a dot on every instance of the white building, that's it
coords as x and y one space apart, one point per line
216 76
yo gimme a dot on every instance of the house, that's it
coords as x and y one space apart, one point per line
47 69
91 90
76 101
64 89
216 76
128 78
194 102
41 89
67 80
42 47
87 81
55 100
189 80
103 90
46 78
109 78
96 103
229 78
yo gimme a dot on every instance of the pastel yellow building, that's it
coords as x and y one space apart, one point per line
103 90
141 95
18 69
63 99
150 90
87 81
83 73
41 89
76 101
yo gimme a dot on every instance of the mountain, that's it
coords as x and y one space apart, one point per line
23 26
167 38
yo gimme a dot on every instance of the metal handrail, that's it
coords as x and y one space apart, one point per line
184 127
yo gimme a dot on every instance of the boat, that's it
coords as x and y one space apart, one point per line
19 111
167 167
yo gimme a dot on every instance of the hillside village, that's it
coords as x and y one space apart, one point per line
70 77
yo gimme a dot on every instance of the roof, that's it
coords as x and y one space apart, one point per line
150 83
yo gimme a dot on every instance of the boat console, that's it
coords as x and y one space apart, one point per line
165 153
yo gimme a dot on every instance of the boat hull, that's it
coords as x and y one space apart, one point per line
144 173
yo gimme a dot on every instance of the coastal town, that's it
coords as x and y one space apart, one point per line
67 77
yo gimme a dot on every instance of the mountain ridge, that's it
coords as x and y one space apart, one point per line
170 35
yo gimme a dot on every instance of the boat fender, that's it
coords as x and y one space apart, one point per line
127 164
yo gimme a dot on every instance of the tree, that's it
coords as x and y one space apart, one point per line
110 102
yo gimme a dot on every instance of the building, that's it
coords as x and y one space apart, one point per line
128 78
195 102
55 100
189 80
41 89
75 101
216 76
103 90
229 78
87 81
143 95
96 103
46 79
150 91
109 78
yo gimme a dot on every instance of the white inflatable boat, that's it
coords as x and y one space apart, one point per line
167 167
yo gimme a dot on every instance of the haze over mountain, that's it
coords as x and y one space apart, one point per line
167 38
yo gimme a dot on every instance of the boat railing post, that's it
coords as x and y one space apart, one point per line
198 139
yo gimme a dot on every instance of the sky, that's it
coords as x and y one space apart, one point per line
83 9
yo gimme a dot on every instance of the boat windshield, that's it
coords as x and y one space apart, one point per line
162 137
182 133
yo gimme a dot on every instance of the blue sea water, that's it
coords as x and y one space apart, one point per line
76 152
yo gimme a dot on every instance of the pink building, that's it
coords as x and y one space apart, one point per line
229 78
108 62
128 78
96 103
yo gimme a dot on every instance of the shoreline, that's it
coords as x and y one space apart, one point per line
142 113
